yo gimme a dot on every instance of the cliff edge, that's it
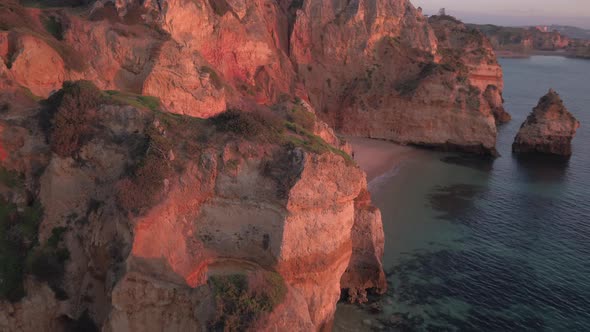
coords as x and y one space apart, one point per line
137 219
374 68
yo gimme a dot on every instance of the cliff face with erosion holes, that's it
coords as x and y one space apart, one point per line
124 218
193 178
375 68
549 129
380 69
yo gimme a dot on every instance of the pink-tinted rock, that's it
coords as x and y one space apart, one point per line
365 271
549 129
37 66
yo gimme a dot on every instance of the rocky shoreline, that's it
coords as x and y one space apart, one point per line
549 129
175 165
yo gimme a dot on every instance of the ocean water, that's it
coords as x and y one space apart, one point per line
502 245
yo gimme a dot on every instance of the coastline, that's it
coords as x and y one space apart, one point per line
378 157
525 55
380 160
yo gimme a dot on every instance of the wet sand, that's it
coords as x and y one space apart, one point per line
377 157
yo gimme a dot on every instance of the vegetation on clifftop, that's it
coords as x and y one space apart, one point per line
241 299
72 112
73 118
265 126
18 236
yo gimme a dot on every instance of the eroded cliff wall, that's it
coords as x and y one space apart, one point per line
372 68
148 221
145 204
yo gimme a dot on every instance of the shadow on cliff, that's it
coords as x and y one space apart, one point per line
541 168
133 71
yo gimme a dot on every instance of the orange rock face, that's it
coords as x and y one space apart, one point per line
36 65
549 129
228 205
147 238
366 67
409 80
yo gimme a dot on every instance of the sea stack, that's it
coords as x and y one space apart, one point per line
549 129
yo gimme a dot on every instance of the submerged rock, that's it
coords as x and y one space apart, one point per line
549 129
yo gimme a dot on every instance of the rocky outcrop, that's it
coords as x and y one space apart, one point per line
549 129
472 54
156 200
523 40
365 272
402 81
36 65
160 214
376 68
496 102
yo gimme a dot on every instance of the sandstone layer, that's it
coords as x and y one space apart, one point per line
160 213
206 164
372 68
549 129
385 71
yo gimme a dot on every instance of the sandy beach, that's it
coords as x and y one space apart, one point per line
377 157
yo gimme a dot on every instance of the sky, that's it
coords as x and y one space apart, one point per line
514 12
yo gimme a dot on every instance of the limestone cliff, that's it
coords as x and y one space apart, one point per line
524 39
549 129
149 221
204 171
519 42
372 68
384 71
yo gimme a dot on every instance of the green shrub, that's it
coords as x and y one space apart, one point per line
135 100
11 179
54 3
144 188
74 107
312 143
56 237
11 267
29 94
408 87
303 118
48 265
240 299
53 26
262 125
296 4
473 100
18 235
220 7
71 112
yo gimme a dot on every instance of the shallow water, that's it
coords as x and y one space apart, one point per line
499 245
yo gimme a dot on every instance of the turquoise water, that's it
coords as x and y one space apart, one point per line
500 245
